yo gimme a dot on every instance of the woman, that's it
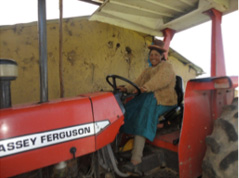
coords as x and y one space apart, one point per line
158 96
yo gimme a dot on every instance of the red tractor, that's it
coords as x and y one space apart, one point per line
80 137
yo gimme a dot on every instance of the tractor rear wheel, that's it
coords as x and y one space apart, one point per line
221 158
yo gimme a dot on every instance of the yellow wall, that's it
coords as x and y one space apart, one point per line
91 51
185 71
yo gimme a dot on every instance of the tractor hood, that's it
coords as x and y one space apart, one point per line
153 16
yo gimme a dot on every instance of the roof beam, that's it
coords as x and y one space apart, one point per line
190 3
165 6
92 2
113 20
141 8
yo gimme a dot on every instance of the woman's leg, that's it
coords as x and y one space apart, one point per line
137 152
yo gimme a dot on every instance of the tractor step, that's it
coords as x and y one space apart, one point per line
156 162
162 173
151 162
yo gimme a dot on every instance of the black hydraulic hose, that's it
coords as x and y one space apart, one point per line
112 158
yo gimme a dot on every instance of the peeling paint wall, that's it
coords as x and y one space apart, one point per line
91 51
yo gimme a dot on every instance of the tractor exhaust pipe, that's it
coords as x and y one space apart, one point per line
43 51
8 72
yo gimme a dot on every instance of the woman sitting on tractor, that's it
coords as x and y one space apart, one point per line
157 84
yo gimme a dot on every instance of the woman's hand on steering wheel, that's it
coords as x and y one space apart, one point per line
143 89
122 89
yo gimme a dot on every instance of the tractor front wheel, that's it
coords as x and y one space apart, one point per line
221 158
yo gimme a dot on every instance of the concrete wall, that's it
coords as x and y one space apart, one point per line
91 51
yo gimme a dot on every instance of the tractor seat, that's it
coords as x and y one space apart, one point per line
174 113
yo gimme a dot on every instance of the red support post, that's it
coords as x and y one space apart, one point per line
168 36
217 55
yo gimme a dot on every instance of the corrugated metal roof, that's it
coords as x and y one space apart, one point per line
153 16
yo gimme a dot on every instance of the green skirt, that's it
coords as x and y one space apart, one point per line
141 117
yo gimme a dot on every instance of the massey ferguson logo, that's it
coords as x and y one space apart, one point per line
48 138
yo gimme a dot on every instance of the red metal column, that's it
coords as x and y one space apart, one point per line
168 36
217 55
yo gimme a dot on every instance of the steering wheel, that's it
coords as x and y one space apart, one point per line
114 85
